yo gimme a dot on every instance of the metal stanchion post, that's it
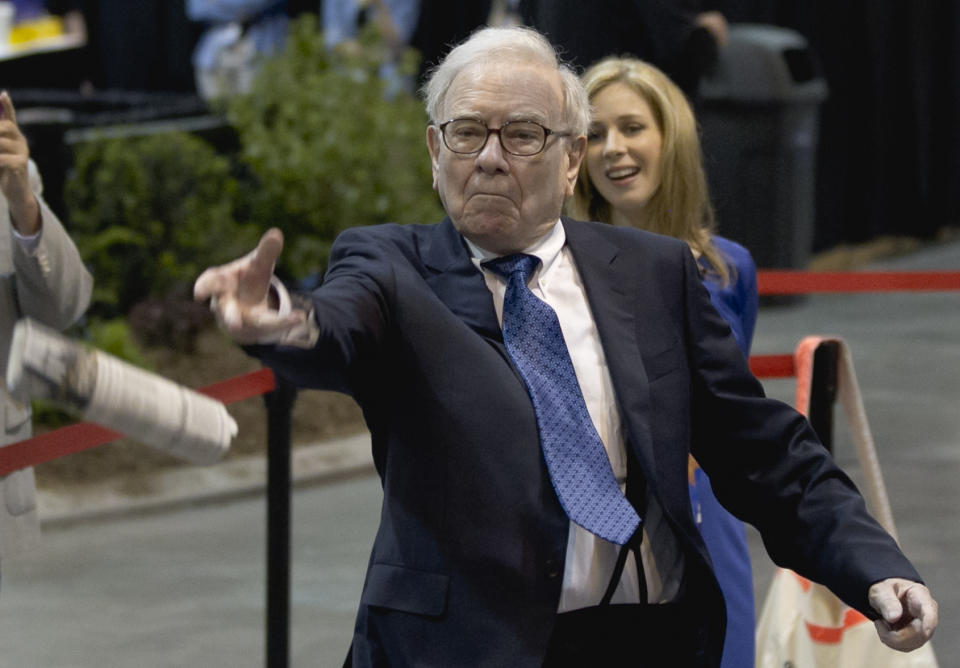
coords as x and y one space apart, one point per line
823 391
279 408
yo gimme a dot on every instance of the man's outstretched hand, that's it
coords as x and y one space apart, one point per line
241 297
908 613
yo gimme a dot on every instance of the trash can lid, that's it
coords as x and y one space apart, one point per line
764 64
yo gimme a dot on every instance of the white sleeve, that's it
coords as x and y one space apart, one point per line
301 335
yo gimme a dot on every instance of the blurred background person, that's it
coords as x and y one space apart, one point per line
395 21
682 37
242 31
43 277
643 169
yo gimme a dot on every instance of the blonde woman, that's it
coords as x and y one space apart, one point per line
643 169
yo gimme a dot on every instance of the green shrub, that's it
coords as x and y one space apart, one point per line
115 338
149 213
321 149
328 149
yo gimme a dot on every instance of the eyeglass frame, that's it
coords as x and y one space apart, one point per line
547 133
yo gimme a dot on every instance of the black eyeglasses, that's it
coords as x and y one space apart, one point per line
524 138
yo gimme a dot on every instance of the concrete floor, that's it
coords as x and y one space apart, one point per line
906 349
185 587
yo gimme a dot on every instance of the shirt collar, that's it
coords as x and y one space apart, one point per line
547 248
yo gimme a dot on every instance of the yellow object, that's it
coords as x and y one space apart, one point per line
27 31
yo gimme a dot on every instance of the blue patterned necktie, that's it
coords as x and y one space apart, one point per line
576 459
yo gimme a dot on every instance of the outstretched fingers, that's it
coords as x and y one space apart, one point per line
239 293
254 275
6 107
246 278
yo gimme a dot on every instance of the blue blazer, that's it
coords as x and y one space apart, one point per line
724 535
467 563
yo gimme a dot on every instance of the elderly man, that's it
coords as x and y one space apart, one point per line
41 276
534 386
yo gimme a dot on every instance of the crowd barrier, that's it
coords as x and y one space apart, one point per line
781 282
789 282
280 396
82 436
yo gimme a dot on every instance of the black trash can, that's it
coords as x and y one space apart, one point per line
758 114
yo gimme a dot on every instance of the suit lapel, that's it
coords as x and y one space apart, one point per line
613 297
457 282
610 283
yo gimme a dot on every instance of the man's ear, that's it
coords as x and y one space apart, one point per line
575 155
433 146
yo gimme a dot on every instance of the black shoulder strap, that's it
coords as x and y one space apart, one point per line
637 495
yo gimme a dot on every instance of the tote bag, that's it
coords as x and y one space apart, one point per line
802 624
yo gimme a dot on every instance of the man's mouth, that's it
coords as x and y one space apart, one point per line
489 194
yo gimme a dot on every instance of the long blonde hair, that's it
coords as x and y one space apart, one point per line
680 207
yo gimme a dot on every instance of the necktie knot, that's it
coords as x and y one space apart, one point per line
508 266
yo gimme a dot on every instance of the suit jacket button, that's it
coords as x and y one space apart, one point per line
553 568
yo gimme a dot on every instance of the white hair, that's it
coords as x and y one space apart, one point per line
520 45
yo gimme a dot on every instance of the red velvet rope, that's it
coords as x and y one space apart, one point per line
773 366
786 282
85 435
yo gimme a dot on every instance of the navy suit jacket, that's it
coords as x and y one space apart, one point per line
467 564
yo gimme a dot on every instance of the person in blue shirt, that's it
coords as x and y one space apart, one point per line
643 169
396 21
241 31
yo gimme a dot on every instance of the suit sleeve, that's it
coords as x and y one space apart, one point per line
352 315
52 284
768 468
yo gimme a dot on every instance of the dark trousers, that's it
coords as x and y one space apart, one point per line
646 636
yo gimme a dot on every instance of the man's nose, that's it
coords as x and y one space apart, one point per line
492 156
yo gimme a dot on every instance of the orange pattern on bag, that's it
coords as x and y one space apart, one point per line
829 635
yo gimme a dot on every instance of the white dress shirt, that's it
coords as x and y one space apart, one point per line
590 559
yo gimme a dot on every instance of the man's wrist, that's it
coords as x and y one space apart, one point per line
26 218
28 242
303 335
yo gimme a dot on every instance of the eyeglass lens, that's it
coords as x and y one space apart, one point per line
517 137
